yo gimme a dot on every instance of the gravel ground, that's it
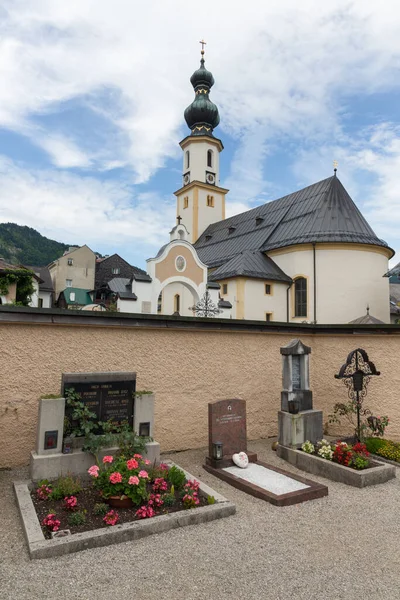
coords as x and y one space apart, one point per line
344 546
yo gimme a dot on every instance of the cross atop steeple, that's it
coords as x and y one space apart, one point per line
203 43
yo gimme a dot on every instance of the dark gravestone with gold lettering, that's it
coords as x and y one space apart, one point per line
227 425
109 395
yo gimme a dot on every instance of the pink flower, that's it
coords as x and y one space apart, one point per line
137 456
70 502
94 471
115 477
107 459
111 517
133 480
132 464
145 512
144 474
147 461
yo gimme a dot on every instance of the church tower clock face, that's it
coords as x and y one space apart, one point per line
210 178
186 179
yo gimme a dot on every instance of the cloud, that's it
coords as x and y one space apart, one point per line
106 215
281 68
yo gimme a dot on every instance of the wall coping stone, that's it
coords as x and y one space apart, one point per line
57 316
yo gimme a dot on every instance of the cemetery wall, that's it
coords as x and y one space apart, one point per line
186 362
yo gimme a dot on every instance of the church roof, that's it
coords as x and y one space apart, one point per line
250 263
322 212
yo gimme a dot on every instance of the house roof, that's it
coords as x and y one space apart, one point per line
104 270
322 212
82 297
5 266
47 284
394 291
122 287
250 263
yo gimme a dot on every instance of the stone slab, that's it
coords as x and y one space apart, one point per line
51 418
144 413
52 466
269 480
304 398
377 473
227 424
294 430
39 547
312 490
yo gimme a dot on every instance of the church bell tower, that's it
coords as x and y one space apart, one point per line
200 200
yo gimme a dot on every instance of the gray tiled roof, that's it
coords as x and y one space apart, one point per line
367 320
44 274
250 263
322 212
119 284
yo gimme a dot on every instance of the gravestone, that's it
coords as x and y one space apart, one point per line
227 425
297 420
109 395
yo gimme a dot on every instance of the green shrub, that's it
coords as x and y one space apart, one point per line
359 462
76 518
374 444
66 486
176 477
101 509
169 499
211 500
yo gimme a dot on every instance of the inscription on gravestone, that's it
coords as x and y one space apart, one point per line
296 379
227 424
109 395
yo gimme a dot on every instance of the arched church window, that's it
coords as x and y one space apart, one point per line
209 158
300 297
187 155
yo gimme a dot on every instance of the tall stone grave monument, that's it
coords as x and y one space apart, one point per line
297 420
227 426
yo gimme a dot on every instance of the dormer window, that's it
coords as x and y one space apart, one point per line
231 229
259 220
208 237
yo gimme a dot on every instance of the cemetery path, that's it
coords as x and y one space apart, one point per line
341 547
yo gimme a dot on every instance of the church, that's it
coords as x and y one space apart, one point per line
307 257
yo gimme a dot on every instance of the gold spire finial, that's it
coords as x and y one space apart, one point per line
335 166
203 43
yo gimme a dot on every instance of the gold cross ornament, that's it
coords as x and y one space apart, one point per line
203 43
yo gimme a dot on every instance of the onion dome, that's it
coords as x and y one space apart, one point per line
202 115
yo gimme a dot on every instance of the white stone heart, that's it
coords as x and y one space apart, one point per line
241 460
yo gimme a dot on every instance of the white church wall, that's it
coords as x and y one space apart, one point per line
298 264
257 303
209 214
186 300
348 278
128 306
348 281
198 160
230 296
186 213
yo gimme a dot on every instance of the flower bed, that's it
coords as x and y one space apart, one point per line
354 456
66 504
106 534
384 448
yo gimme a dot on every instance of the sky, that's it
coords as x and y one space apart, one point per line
92 96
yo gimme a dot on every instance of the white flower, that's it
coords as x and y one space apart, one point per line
308 447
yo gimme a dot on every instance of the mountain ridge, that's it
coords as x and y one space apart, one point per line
20 244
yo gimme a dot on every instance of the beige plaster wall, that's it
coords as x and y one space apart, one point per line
258 303
186 369
81 273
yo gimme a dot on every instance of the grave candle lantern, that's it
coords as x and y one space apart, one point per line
217 450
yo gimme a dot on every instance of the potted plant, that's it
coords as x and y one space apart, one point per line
121 482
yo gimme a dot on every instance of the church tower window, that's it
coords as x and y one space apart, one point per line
209 158
300 297
187 159
185 201
210 200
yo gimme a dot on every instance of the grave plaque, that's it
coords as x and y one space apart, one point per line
296 378
227 424
109 395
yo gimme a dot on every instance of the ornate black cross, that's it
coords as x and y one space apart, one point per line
205 307
356 374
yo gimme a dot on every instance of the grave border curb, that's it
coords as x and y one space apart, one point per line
40 547
379 473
